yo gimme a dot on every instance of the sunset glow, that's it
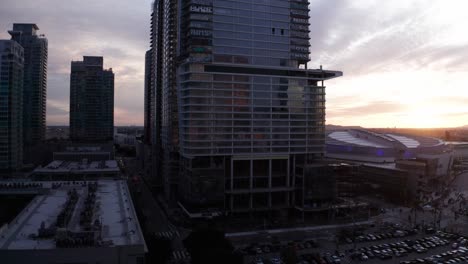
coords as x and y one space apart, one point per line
405 63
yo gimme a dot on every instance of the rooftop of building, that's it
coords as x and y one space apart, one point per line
26 25
74 214
412 162
458 144
69 166
83 149
364 138
388 166
90 61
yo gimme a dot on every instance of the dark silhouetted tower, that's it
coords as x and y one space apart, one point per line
34 81
240 113
91 101
11 102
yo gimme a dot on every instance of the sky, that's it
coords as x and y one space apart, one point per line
405 62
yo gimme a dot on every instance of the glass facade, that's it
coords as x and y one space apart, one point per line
35 81
242 108
229 114
11 106
91 101
232 110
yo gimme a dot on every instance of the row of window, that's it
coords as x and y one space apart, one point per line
258 11
249 4
254 44
208 133
265 93
257 99
312 133
267 37
247 143
260 81
257 26
239 150
280 82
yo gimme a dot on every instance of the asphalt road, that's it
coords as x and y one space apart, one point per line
155 220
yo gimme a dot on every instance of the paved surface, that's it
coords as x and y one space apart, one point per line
155 220
404 216
449 219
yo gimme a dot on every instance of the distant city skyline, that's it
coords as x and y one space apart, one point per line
404 62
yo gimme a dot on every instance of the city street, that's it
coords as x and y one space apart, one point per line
155 221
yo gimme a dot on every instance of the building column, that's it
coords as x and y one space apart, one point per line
270 161
251 185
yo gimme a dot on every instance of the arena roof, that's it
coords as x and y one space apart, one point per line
359 137
367 146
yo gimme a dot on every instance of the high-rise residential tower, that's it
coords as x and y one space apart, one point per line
148 95
91 101
153 82
242 116
34 81
11 102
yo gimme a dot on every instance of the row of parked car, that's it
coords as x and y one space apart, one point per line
399 249
271 260
319 259
382 236
459 255
257 249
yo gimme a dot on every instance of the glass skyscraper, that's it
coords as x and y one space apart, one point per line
11 106
34 82
91 101
241 114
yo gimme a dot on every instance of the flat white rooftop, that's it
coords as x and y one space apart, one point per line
59 166
407 141
113 208
390 166
365 138
346 136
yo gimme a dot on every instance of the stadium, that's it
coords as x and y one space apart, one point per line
367 146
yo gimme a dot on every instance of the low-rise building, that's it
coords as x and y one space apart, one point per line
394 184
400 167
77 170
89 221
91 153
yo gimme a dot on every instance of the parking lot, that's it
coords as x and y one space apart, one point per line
430 234
395 246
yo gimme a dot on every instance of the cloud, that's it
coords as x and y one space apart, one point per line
56 111
371 108
117 30
127 117
400 58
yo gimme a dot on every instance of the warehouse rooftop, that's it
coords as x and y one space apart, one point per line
74 214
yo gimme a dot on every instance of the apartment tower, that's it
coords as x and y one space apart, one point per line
11 102
241 114
34 82
91 101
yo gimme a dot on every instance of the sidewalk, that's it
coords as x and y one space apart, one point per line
295 229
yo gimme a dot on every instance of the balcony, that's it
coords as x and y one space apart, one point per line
300 34
300 56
